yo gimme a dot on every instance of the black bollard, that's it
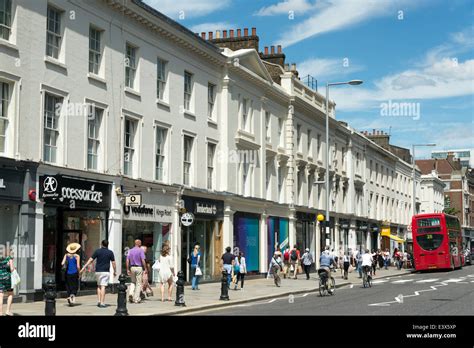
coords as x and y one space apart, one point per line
180 290
122 297
224 287
50 299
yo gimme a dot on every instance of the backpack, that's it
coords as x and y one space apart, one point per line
294 256
286 255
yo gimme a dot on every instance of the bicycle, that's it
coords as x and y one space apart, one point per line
366 277
325 286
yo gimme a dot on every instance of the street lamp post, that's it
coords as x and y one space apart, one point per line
353 83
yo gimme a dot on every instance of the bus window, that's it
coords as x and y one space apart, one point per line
428 222
430 241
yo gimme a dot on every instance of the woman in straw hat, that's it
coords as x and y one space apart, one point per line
73 264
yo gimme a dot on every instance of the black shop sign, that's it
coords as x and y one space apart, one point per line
73 193
204 208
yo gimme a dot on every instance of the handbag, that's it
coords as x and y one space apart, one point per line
198 271
156 266
15 278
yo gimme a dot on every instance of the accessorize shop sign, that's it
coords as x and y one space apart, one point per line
73 193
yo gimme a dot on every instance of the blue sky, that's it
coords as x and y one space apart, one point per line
418 52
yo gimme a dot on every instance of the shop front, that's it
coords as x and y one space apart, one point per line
206 230
362 229
246 238
149 222
305 232
327 239
75 211
344 225
277 234
374 237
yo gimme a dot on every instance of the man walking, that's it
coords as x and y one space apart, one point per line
286 263
307 262
136 267
294 260
103 257
227 263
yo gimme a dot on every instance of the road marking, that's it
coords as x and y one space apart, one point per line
305 295
352 286
399 298
427 280
472 281
402 281
379 281
455 280
271 301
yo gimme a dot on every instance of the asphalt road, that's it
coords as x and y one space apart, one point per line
434 293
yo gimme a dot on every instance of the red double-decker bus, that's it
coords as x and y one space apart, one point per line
437 242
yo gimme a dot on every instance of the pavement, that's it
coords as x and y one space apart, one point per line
207 298
440 293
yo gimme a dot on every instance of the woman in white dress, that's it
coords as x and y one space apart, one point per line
166 273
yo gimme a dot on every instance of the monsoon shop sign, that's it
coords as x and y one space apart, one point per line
74 193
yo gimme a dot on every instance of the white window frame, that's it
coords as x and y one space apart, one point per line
95 65
309 142
244 113
54 33
281 182
211 167
268 129
130 147
298 137
281 126
188 162
96 138
188 90
5 104
7 20
161 153
211 100
131 66
55 127
161 79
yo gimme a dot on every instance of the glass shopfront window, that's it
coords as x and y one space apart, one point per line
9 228
152 235
201 232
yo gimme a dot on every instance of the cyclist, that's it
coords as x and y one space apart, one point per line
367 260
325 262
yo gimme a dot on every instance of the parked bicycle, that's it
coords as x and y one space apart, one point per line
326 286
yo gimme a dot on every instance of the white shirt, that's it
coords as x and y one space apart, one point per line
366 259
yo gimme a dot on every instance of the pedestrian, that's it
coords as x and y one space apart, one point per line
307 261
227 261
276 267
136 266
351 257
72 262
146 288
380 258
341 261
286 263
404 260
166 273
294 260
6 270
386 258
103 257
240 262
359 262
334 257
195 259
346 265
374 261
396 258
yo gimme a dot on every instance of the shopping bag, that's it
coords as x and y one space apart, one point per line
15 277
198 271
300 269
156 266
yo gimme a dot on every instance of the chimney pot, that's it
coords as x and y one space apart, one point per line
293 67
203 35
246 32
266 50
254 31
224 34
287 67
210 35
239 32
279 48
231 31
218 34
373 131
273 49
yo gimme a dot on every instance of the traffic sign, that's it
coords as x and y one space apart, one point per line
133 200
187 219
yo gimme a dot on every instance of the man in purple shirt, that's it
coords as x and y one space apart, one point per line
136 266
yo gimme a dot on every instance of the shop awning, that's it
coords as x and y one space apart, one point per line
386 233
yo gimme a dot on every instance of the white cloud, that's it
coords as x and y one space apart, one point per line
325 68
207 27
194 8
338 14
284 7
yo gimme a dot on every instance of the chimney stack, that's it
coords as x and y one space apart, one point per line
279 49
203 35
210 35
293 67
373 131
231 31
224 34
273 50
246 32
239 32
287 67
218 34
266 50
254 31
